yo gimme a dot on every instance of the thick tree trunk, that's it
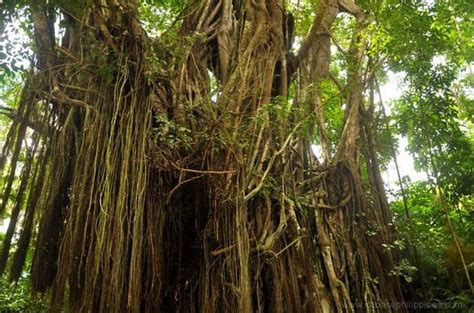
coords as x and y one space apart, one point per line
157 198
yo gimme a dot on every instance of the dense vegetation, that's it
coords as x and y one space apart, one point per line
160 155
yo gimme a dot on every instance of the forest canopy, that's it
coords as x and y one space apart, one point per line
229 155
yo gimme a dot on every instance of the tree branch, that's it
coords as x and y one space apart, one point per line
327 12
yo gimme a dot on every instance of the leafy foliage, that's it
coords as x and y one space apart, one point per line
17 297
428 115
427 231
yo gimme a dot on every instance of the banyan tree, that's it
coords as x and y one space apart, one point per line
174 171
